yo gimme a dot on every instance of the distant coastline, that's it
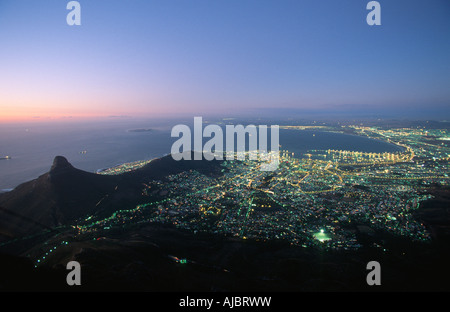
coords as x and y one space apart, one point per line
140 130
118 150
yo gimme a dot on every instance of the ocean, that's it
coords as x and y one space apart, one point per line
91 146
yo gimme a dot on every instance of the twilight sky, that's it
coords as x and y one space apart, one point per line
226 57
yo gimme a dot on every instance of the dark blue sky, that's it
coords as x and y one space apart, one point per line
166 57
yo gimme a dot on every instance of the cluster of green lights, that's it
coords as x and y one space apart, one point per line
321 236
138 207
40 260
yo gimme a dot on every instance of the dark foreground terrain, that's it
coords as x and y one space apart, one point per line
156 257
145 259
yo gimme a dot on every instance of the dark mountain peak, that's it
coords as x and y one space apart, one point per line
67 193
60 163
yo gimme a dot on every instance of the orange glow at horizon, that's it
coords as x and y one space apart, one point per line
36 112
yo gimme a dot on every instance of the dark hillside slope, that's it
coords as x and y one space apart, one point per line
65 194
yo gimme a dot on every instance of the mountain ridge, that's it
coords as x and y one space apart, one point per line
65 194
